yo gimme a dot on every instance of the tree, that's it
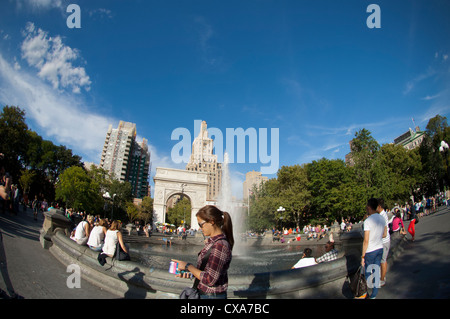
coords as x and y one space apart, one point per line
437 130
132 211
26 179
397 172
331 183
101 177
264 201
146 209
434 163
436 127
49 158
180 212
13 138
294 193
123 197
79 191
364 149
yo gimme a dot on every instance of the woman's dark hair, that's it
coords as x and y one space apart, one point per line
307 252
210 213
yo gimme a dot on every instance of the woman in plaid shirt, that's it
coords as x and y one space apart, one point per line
213 280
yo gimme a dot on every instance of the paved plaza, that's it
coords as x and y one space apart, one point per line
420 271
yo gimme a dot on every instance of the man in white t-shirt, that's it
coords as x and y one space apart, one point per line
374 231
386 242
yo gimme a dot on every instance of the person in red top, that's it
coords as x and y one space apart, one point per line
213 280
397 222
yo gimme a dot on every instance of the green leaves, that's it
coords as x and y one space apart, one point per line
180 212
328 190
79 191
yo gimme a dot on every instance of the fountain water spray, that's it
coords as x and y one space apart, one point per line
225 203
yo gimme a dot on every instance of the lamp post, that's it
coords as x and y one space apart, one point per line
107 196
184 208
281 210
444 149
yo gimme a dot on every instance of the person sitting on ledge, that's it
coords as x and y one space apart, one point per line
112 238
306 260
83 230
275 236
330 253
396 228
97 236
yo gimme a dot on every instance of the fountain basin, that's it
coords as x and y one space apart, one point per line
133 279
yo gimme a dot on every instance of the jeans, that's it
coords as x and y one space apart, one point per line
373 259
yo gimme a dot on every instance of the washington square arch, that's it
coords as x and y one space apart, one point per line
170 182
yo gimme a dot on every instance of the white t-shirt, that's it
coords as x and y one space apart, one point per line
375 223
80 232
386 219
96 237
111 240
305 262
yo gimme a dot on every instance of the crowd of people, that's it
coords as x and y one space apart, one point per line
105 237
309 231
379 227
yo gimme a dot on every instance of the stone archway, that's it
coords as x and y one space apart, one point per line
170 181
172 201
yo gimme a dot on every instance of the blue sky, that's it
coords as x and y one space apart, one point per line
312 69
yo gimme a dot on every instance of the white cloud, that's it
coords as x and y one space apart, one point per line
39 4
209 53
101 12
62 116
432 97
162 160
53 60
410 85
441 109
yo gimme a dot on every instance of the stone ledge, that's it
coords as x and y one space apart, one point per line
133 280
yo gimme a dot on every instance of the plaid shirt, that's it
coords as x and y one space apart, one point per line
214 278
329 256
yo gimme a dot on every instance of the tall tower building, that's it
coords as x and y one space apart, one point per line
203 160
253 179
125 159
139 168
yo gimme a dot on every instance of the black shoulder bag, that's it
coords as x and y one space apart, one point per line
192 292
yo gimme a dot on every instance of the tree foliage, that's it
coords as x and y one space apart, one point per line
79 191
180 213
326 190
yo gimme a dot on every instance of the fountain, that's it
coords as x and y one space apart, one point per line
259 269
225 203
266 257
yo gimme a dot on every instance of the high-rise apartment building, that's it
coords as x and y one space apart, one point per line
126 159
139 168
203 160
252 179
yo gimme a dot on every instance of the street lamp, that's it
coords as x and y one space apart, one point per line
281 210
107 196
444 149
